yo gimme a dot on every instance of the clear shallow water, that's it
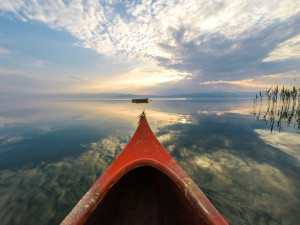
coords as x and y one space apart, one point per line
51 152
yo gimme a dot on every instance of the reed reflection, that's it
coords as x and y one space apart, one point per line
278 108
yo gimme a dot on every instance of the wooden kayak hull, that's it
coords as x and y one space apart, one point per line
169 194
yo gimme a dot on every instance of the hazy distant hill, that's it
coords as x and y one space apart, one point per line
130 96
114 96
194 95
215 95
100 96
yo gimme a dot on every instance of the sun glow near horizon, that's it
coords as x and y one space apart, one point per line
138 80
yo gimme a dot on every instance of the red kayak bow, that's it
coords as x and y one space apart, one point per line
144 185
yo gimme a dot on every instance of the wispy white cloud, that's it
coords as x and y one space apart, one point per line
289 49
18 81
247 82
257 83
4 51
13 80
37 63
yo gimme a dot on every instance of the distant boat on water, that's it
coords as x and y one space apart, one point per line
140 100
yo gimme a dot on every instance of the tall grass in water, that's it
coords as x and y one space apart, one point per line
278 107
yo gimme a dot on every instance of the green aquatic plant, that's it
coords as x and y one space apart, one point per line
278 107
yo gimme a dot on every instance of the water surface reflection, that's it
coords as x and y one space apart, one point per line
249 180
52 152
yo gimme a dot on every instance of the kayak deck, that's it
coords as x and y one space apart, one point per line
144 196
144 185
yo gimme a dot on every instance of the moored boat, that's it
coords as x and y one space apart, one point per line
140 100
144 185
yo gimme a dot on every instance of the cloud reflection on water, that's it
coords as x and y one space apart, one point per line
53 189
246 110
4 140
287 142
254 190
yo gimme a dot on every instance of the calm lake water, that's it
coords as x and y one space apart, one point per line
51 152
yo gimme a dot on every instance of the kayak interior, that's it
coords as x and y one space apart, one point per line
144 196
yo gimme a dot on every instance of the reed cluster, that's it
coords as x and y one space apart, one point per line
278 107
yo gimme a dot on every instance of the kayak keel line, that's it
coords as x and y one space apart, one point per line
144 185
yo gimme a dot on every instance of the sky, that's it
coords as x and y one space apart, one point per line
148 47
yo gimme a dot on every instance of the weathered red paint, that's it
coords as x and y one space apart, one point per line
145 150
